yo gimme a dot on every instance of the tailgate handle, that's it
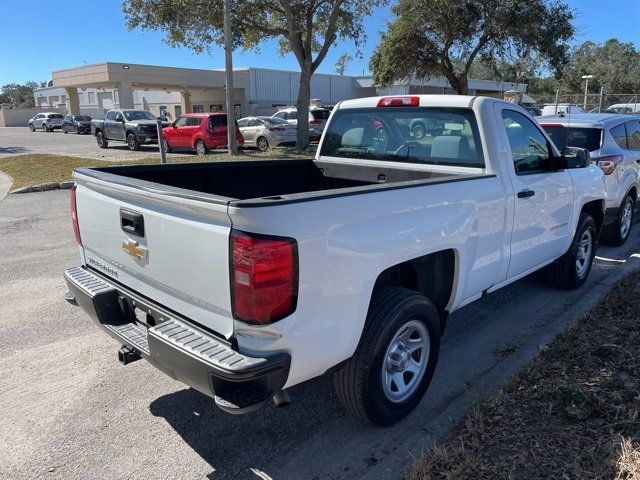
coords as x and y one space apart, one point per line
132 222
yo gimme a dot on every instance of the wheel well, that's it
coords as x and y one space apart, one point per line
431 275
596 210
130 132
634 193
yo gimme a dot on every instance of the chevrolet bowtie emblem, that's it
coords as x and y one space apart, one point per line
134 249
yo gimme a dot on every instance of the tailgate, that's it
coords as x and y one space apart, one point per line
180 260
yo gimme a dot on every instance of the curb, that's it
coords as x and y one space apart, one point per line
44 187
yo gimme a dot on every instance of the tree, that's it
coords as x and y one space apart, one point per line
341 63
19 96
306 28
445 37
614 65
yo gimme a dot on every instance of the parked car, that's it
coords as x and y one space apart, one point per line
626 107
534 111
134 127
561 108
265 132
48 122
198 131
614 144
243 279
77 124
317 119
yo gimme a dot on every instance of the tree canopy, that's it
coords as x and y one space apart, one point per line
445 37
19 96
306 28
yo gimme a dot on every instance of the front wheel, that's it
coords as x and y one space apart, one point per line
616 233
132 142
572 269
45 128
102 141
392 367
166 146
31 127
201 148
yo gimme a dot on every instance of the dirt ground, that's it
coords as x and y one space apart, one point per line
574 413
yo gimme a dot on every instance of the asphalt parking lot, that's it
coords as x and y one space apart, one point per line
20 140
70 410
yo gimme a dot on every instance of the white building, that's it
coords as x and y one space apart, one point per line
93 89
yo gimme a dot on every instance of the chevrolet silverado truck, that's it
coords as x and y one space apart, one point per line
242 279
134 127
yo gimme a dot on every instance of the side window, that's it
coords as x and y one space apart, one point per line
194 121
279 115
111 115
529 147
181 121
242 122
619 134
633 135
254 123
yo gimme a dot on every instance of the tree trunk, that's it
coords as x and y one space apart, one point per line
304 97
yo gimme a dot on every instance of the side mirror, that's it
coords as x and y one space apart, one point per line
576 157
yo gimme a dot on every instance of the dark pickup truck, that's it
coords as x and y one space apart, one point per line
135 127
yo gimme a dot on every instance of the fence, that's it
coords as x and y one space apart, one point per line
595 102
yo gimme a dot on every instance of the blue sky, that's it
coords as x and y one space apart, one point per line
69 33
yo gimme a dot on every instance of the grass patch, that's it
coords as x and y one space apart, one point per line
37 169
574 412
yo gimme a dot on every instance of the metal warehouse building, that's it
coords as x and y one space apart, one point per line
93 89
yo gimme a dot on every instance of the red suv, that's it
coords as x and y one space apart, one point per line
198 131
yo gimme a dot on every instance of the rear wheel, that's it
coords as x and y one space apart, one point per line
263 144
201 148
616 233
102 142
132 142
75 129
572 269
44 127
395 361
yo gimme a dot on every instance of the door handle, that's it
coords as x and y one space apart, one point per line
132 222
526 193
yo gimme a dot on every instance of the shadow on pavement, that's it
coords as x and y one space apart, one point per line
234 445
12 150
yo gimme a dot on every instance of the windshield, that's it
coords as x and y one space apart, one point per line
82 118
589 138
433 135
138 115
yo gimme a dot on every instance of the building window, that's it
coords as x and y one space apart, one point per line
215 108
163 112
177 110
198 109
92 98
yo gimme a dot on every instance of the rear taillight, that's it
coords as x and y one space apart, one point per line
315 122
74 215
608 163
399 102
264 277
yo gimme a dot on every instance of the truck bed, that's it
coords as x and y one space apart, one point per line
253 183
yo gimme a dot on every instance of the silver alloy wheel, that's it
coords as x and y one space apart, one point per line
131 141
418 131
625 221
405 361
100 139
583 255
200 148
262 144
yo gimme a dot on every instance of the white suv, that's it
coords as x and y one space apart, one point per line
46 121
614 144
317 119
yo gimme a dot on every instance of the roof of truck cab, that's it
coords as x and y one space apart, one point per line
455 101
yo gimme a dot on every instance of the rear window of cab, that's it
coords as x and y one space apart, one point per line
422 135
583 137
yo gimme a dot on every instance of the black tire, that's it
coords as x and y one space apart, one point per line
75 130
31 127
418 130
132 142
102 142
262 144
617 233
64 130
565 272
167 147
201 148
359 384
44 127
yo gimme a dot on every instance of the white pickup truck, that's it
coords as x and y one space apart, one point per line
242 279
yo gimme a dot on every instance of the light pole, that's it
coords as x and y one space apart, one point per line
228 66
586 89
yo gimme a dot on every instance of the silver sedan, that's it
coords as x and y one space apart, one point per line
265 132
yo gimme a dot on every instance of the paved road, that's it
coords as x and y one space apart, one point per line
20 140
70 410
